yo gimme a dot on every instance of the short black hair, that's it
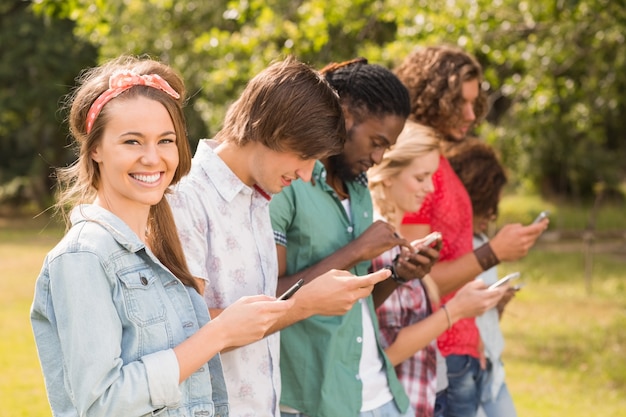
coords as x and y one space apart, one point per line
368 89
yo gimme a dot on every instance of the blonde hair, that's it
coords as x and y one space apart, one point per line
415 141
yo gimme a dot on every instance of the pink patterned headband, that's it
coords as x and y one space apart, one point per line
122 81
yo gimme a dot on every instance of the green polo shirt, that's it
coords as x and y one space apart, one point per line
319 357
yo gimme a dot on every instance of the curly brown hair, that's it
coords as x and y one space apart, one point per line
434 77
480 171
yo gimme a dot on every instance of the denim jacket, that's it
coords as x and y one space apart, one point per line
106 315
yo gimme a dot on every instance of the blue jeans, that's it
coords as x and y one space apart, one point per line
386 410
464 386
501 406
440 404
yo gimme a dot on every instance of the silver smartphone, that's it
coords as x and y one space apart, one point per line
429 240
543 215
504 280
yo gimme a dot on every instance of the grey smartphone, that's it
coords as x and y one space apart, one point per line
429 240
291 291
544 214
504 280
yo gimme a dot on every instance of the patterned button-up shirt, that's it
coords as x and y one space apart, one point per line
405 306
227 236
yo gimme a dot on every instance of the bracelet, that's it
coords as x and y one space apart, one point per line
486 257
445 309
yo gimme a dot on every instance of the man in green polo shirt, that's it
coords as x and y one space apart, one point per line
334 366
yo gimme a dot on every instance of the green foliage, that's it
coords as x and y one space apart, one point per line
35 72
554 70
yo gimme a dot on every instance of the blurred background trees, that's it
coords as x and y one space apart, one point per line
555 70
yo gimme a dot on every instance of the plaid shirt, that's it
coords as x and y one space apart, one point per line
405 306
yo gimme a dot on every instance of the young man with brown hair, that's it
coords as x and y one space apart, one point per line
286 118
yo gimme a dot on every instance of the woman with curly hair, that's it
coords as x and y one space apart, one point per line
444 86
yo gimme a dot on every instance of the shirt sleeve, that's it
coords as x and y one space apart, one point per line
159 367
89 330
389 316
193 231
282 210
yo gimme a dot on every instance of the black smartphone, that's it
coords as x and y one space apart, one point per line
291 291
544 214
430 239
502 281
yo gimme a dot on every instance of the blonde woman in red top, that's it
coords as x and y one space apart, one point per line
411 318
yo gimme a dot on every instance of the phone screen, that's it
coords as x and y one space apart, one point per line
430 239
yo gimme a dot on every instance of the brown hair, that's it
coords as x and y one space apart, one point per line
79 183
287 107
434 77
480 171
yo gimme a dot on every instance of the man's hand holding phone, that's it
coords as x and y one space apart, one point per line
416 264
543 215
432 240
513 241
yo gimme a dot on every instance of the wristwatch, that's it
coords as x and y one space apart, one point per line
394 275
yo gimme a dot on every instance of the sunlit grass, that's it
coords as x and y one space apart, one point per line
563 215
565 349
23 246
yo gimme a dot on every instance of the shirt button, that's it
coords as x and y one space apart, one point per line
144 280
359 339
365 214
349 229
358 378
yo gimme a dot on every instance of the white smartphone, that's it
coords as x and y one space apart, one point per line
504 280
544 214
429 240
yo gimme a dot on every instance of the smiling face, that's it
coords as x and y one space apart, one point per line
410 186
469 94
137 155
367 142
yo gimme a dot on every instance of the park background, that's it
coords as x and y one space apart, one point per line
555 75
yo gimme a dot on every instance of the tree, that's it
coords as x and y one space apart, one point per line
38 61
554 72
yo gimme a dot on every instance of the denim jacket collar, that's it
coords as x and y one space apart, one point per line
120 231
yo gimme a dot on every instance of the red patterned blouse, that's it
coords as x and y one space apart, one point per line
449 210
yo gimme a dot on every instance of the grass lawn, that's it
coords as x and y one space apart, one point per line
23 246
565 353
